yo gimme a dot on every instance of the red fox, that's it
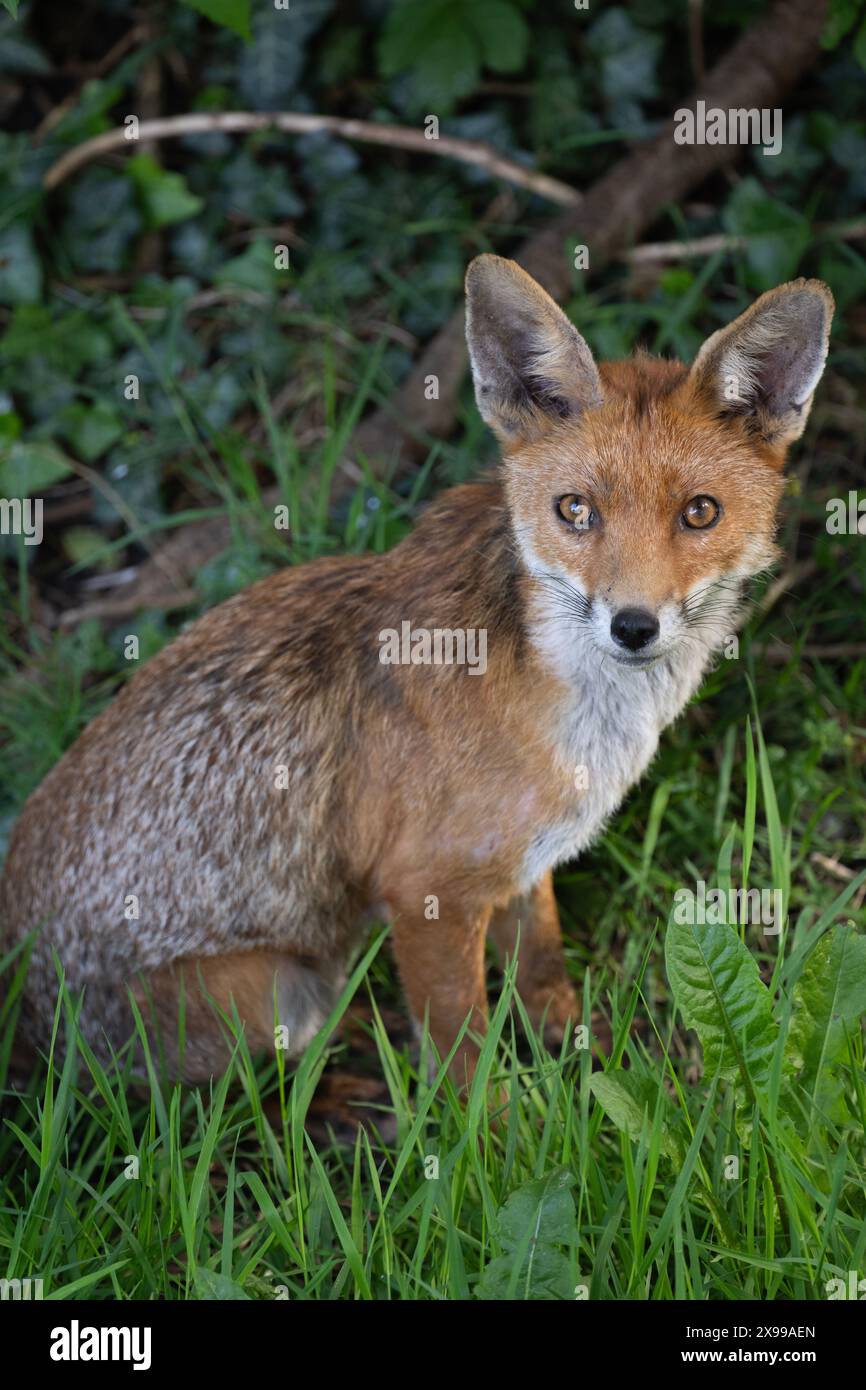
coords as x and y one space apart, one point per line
290 768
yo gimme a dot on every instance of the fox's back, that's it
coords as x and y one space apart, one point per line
191 812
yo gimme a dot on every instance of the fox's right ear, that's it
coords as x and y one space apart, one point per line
529 363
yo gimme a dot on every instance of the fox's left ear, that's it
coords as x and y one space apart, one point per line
767 363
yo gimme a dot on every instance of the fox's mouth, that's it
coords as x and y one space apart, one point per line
637 659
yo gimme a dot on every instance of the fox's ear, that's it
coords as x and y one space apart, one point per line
529 364
766 364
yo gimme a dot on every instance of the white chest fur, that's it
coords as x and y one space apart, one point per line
608 733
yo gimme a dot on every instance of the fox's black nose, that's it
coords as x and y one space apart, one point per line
633 628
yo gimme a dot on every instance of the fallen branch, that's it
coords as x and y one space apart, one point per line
400 137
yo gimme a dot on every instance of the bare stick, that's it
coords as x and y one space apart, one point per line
779 653
400 137
651 251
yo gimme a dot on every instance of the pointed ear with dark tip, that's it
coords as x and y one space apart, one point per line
529 364
766 364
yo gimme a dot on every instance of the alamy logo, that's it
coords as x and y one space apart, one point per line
438 646
715 906
738 126
846 516
18 1289
77 1343
854 1288
21 517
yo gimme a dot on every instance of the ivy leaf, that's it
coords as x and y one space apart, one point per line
164 195
85 546
230 14
777 234
443 44
27 469
840 20
253 269
102 221
90 429
18 54
270 66
20 269
501 32
627 57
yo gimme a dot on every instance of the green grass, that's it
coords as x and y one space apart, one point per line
229 1197
761 780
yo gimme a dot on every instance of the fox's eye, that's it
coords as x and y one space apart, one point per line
701 513
577 511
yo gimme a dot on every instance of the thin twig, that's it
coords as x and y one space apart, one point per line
778 652
124 605
721 241
113 497
475 152
119 50
795 574
833 866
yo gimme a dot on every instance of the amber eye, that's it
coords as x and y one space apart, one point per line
701 513
577 511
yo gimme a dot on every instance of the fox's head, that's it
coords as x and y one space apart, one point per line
642 493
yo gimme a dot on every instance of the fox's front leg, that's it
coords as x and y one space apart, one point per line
441 965
542 978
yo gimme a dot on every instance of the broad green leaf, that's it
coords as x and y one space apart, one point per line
84 545
626 57
270 68
20 269
11 6
777 235
217 1287
27 469
436 42
841 18
10 428
544 1205
719 991
230 14
535 1222
631 1101
543 1275
18 54
90 429
164 195
502 33
253 269
830 994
